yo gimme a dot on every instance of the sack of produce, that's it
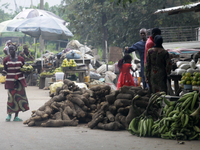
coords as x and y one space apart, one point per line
180 71
184 66
191 70
179 63
192 64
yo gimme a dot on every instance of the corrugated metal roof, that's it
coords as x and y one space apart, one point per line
180 9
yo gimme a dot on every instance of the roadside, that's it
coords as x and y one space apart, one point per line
16 136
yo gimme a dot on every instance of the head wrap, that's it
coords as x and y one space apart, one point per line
158 40
12 47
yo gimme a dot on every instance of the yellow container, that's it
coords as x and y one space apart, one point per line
87 78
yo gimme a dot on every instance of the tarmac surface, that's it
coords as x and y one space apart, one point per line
17 136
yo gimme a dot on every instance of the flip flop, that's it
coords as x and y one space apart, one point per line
17 119
8 118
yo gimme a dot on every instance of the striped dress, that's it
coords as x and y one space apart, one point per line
15 83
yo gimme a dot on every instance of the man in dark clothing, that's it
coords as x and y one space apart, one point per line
140 48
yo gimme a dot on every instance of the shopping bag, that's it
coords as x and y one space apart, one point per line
137 80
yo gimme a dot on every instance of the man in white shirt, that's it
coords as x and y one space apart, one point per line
6 49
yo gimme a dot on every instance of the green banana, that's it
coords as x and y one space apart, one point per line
141 127
150 126
186 120
169 103
185 96
194 101
172 113
183 119
193 137
197 129
132 126
169 110
196 112
186 101
146 124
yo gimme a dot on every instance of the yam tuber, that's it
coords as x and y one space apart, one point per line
124 96
95 121
110 98
122 103
110 116
79 111
112 109
53 123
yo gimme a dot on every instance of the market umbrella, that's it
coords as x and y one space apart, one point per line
48 28
5 33
31 13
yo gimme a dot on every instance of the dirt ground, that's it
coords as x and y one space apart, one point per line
16 136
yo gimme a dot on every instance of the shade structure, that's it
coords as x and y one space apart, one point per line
46 27
5 33
31 13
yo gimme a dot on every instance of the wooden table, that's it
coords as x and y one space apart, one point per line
87 62
174 78
81 73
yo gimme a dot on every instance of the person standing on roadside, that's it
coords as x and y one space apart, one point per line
15 83
140 47
158 66
6 49
150 42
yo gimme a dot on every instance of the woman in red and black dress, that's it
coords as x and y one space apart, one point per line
15 83
125 77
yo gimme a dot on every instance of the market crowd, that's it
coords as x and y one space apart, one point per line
154 59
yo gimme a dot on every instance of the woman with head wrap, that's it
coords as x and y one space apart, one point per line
158 66
15 83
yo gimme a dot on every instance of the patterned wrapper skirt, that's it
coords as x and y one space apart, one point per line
17 99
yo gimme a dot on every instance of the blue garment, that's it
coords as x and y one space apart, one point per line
140 48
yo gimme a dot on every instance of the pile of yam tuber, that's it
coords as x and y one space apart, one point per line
68 106
99 107
117 112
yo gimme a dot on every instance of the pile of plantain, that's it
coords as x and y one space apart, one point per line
26 68
179 120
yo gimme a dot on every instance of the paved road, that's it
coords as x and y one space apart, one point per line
16 136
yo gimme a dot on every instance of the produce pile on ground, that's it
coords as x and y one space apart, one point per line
68 106
180 120
47 74
2 79
117 112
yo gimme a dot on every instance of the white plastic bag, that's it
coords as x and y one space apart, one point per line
180 71
192 64
179 63
184 66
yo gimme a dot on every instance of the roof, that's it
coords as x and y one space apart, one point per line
183 45
180 9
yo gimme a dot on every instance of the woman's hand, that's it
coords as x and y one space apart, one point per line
146 80
4 73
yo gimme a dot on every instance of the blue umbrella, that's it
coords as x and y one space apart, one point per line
46 27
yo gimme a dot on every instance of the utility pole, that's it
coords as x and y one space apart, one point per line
32 4
16 8
40 39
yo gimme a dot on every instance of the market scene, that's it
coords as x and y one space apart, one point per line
65 85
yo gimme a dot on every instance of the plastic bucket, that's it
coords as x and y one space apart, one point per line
59 76
87 78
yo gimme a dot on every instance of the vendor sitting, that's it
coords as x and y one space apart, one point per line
26 54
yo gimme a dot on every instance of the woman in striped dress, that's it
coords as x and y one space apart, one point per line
15 83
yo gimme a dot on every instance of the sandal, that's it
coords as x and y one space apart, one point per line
8 118
17 119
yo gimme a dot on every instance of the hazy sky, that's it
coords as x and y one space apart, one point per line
27 3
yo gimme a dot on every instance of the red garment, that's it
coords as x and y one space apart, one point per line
149 44
13 72
125 77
